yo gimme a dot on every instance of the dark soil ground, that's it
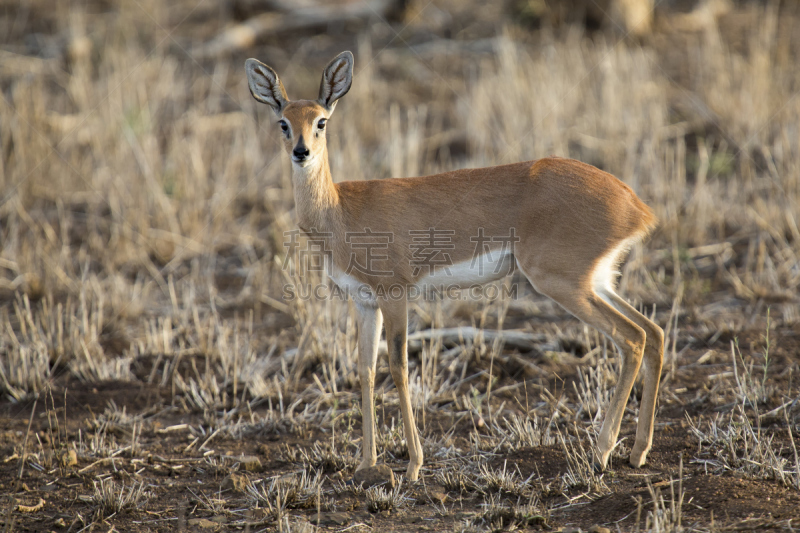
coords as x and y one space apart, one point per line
725 497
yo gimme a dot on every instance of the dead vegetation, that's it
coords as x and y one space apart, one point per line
109 498
154 376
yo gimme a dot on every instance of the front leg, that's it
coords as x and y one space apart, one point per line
370 321
396 315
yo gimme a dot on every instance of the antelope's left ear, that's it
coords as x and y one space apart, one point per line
336 80
265 86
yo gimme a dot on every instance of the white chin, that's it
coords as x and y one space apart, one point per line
304 163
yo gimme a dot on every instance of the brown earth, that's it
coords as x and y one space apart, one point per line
175 478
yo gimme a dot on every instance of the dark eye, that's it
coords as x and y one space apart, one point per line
321 124
284 126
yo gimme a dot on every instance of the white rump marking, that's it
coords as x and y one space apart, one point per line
605 273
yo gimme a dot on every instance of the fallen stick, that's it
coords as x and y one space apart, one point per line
103 461
451 337
520 340
31 508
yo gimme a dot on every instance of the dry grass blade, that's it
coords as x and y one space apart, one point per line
110 498
505 482
24 371
382 499
330 460
292 491
519 431
216 505
497 515
581 473
455 480
733 443
666 514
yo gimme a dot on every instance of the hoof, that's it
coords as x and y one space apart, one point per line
638 460
412 477
600 462
365 464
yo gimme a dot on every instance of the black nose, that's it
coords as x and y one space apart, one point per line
300 152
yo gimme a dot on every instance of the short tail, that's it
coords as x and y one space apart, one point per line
647 219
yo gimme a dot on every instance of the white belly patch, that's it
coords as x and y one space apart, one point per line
477 271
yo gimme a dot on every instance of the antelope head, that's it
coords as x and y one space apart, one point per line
302 122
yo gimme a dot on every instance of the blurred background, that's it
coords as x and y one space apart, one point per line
144 194
138 178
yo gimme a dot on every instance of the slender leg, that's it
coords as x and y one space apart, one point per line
577 297
653 360
370 321
396 315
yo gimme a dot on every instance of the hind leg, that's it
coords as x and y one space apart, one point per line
653 360
576 295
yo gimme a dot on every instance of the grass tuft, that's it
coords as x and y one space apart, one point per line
110 498
382 499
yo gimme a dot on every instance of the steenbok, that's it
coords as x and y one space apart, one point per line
565 224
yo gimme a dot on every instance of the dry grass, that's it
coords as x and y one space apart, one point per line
110 498
144 201
497 516
386 499
295 491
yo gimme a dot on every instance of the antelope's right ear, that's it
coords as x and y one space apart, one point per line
265 85
336 80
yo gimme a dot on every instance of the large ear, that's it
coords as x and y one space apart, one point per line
265 85
336 80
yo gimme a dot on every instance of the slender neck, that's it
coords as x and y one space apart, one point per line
315 195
